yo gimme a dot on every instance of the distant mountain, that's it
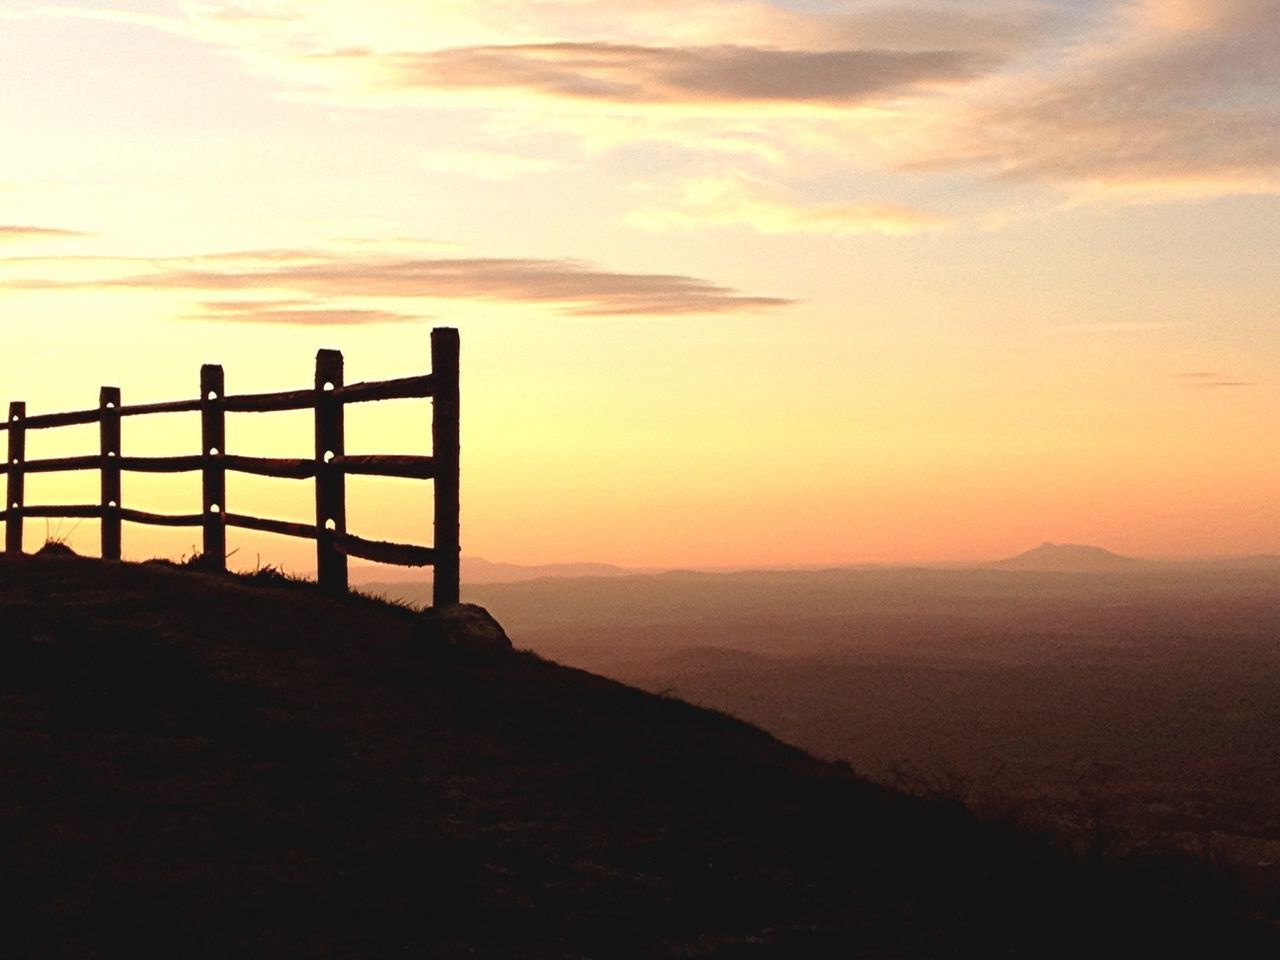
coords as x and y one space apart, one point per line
477 570
1068 558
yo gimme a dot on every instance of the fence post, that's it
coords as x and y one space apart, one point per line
445 450
331 487
213 440
109 446
17 474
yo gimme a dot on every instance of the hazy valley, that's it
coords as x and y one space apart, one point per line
1121 702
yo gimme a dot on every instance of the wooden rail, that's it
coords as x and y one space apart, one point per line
329 467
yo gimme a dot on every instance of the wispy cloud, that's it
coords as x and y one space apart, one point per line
571 287
1200 380
11 233
1172 100
1004 27
768 208
297 313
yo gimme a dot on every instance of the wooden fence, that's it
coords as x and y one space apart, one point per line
329 467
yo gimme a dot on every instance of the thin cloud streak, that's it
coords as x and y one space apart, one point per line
297 313
1201 379
572 287
14 233
652 75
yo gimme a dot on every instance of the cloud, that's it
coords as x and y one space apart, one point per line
660 54
655 75
298 313
10 234
736 201
1005 27
1201 380
1175 99
1110 100
773 83
572 287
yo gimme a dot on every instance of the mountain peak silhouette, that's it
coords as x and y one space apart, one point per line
1067 558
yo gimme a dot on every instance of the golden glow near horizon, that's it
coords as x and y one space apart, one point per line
738 283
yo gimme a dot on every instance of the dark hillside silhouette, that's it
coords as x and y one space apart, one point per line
204 766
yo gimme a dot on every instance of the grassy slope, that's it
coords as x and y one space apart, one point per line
203 766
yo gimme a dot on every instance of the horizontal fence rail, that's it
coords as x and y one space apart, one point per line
328 468
373 465
406 388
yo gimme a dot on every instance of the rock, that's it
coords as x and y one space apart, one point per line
461 627
55 548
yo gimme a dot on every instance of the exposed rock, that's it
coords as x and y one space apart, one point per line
461 627
55 548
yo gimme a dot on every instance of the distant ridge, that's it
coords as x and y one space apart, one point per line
1068 558
476 570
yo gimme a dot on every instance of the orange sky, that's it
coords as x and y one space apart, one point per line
738 283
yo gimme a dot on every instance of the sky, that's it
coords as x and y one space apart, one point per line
738 283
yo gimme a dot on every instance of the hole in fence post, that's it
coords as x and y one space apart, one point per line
213 451
328 456
331 524
328 388
214 508
213 395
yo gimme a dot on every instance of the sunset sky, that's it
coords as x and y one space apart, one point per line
738 283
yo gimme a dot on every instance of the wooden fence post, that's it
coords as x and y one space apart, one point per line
16 486
109 447
445 449
331 487
213 439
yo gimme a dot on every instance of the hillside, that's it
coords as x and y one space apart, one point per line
199 767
